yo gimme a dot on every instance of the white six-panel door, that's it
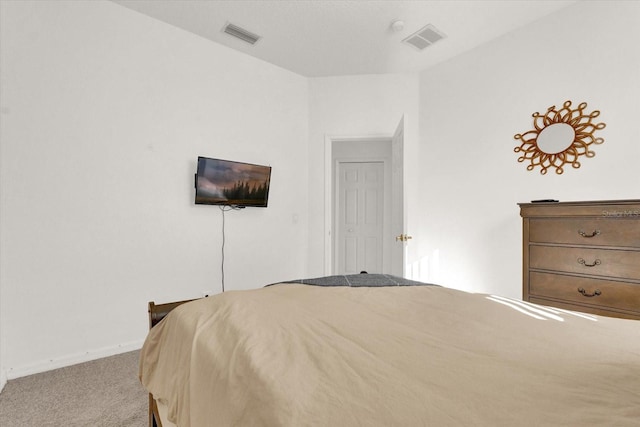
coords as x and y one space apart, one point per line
360 216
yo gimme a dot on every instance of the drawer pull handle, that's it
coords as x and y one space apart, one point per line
583 262
583 234
594 294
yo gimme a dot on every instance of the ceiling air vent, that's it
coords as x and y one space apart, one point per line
424 37
241 33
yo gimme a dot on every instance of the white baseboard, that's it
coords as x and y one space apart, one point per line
3 379
72 359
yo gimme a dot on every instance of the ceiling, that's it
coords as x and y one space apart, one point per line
317 38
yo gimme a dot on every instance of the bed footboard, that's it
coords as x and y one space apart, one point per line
157 312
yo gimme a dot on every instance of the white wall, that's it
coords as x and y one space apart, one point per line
472 106
104 112
357 106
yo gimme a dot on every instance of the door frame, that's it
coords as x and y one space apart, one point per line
329 176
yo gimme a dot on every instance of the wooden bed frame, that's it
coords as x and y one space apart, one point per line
157 312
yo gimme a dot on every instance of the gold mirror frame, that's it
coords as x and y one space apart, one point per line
583 129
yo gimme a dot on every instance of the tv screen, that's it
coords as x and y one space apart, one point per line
223 182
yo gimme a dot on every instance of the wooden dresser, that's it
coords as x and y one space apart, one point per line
583 256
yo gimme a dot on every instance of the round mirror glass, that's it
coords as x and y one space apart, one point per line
556 138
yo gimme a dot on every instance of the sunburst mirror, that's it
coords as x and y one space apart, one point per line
560 136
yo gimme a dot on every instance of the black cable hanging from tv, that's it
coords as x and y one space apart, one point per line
225 208
222 264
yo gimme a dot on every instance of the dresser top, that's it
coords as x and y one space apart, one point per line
598 208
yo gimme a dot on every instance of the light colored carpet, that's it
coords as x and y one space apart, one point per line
104 392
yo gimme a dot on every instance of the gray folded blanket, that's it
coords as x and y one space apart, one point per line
358 280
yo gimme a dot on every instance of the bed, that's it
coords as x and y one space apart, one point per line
377 350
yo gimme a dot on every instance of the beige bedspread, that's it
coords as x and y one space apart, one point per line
299 355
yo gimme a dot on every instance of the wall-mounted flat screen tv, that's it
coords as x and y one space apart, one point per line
224 182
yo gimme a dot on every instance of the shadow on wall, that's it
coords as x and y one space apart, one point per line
426 269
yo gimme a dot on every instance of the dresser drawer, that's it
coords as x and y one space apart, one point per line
603 293
586 308
592 261
624 231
